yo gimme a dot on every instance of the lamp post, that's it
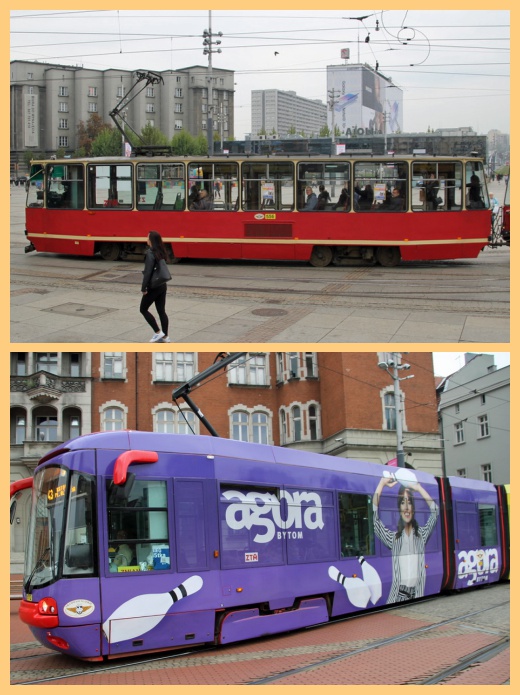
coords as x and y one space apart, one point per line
208 50
394 363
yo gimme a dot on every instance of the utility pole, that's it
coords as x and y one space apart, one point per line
395 363
208 44
333 94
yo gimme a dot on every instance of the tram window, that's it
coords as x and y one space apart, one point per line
161 187
380 186
110 186
80 539
267 186
488 524
35 188
250 534
65 186
138 536
436 186
356 525
219 180
476 191
329 181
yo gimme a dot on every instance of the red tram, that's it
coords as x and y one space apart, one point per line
322 210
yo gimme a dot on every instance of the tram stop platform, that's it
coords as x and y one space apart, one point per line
457 639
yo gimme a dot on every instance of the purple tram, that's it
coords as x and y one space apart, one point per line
141 541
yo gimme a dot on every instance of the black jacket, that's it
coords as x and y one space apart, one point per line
149 265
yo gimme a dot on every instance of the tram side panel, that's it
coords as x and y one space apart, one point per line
478 549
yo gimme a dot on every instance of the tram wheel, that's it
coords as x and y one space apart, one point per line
110 251
321 256
388 256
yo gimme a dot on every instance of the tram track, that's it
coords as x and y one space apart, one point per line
211 655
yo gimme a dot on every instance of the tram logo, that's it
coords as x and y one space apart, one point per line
264 510
477 565
79 608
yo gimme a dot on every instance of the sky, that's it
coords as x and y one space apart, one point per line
446 363
453 66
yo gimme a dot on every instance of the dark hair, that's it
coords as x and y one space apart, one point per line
400 524
158 249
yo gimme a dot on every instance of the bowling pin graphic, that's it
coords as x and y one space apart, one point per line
142 613
357 591
372 579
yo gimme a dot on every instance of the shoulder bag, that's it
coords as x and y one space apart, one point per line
160 275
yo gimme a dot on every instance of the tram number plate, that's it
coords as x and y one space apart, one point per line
251 557
270 216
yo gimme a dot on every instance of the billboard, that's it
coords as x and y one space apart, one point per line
363 99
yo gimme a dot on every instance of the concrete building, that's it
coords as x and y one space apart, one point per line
48 102
474 415
275 112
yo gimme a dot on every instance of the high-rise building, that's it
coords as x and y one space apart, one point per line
48 102
278 113
364 101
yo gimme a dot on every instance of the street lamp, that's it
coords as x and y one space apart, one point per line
395 363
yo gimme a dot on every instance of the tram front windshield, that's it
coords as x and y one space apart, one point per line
60 541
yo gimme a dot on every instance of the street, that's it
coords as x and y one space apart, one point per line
82 300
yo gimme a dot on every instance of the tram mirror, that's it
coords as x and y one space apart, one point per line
118 495
79 555
13 510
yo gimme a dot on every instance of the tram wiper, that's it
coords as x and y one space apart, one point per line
37 566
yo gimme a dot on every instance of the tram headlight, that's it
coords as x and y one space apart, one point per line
47 606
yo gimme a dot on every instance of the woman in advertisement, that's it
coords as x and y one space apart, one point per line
409 541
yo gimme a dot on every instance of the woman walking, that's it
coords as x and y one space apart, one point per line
154 253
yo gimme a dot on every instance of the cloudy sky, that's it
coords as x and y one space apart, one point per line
453 66
446 363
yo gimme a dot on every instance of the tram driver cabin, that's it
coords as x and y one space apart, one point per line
378 209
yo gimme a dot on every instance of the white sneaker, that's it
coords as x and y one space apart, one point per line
165 340
157 337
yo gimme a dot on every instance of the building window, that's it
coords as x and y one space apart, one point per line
175 421
239 426
250 426
461 472
483 426
311 364
486 472
75 364
63 124
457 407
294 365
47 361
178 108
249 370
390 416
63 107
178 125
150 108
178 92
150 122
113 365
19 363
178 78
296 423
75 426
112 419
459 433
46 428
184 366
225 96
30 75
313 423
120 91
63 91
92 107
63 141
483 399
150 92
163 366
204 108
204 125
20 429
204 93
92 92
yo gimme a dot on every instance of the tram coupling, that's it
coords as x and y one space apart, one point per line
30 247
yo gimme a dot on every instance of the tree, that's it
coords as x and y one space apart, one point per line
291 130
183 143
325 131
153 136
107 144
201 145
88 132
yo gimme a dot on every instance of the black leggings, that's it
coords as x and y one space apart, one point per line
159 297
